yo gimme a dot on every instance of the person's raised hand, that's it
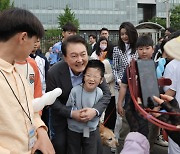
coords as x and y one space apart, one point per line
163 98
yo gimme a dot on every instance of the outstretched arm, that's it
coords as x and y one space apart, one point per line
171 105
104 101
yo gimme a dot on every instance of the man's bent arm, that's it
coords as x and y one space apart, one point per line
104 101
58 106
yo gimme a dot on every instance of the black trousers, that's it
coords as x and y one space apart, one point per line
60 141
137 122
99 142
111 109
77 144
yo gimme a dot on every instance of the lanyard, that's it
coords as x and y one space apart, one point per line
82 90
27 71
27 114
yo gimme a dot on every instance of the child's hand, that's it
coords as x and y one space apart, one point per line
82 113
163 98
156 109
120 110
87 114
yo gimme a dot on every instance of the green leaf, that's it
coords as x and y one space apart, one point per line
174 18
5 4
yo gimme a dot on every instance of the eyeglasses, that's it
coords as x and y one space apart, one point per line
92 76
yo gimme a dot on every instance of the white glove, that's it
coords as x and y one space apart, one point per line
47 99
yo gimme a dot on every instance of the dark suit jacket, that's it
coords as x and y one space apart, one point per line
59 76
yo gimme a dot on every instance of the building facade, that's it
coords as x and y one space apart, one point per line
95 14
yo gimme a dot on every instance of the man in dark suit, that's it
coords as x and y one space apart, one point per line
92 42
105 32
67 74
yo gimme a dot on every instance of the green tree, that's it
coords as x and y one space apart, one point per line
175 17
5 4
160 21
68 16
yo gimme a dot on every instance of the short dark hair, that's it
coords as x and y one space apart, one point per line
69 27
144 40
132 36
72 39
174 35
170 29
94 63
171 36
15 20
93 36
103 29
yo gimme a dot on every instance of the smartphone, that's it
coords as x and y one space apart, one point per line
148 82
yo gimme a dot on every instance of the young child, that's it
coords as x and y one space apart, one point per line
145 50
41 64
82 136
22 130
67 30
29 69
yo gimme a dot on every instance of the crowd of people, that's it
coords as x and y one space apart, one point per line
94 86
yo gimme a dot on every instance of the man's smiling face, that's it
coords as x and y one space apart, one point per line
76 57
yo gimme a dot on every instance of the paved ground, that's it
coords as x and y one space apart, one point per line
156 150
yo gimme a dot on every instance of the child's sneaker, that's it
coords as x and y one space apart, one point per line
160 141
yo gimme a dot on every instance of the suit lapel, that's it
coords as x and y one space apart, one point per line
66 78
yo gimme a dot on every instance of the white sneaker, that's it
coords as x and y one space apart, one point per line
160 141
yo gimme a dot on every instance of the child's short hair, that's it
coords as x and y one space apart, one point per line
170 29
69 27
144 40
15 20
94 63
